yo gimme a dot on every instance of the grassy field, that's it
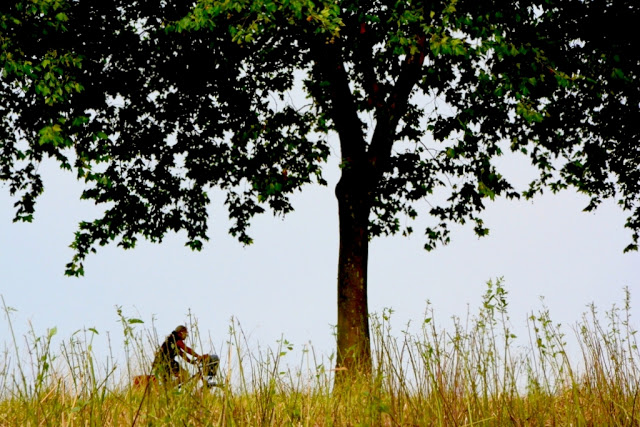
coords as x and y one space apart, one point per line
477 373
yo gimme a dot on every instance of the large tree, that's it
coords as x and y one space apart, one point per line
154 103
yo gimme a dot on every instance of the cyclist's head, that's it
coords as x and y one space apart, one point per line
181 330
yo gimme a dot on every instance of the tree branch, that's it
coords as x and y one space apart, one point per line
387 118
340 105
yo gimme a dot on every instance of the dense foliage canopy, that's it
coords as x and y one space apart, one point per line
153 103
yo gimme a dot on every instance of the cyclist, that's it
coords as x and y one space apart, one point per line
165 366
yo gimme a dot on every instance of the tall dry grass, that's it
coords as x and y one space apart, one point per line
475 373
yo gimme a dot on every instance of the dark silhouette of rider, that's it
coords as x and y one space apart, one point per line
165 366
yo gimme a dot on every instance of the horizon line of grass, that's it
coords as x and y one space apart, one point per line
476 373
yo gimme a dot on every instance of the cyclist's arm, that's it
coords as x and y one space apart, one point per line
187 350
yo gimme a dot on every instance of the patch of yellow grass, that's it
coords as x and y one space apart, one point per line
472 375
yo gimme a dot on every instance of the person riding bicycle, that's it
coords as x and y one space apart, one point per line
165 366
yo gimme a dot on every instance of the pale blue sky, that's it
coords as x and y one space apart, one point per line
285 284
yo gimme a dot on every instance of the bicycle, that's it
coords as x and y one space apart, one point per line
207 371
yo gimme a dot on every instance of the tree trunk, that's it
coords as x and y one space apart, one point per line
354 348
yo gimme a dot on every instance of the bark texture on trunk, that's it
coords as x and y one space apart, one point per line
363 166
354 349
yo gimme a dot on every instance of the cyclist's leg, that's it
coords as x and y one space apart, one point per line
164 373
